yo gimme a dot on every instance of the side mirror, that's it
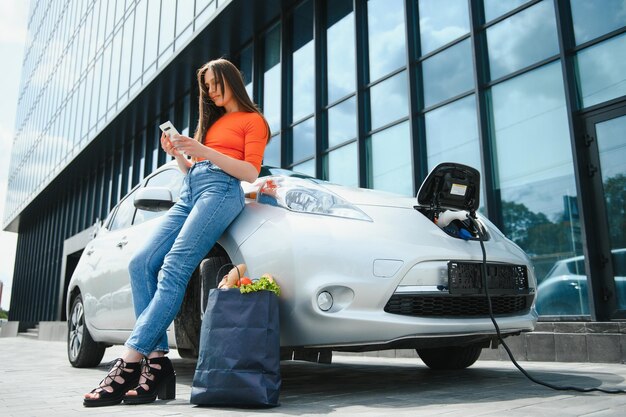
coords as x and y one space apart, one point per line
153 199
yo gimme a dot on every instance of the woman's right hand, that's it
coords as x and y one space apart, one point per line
167 146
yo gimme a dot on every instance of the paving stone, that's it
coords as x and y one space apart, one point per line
360 386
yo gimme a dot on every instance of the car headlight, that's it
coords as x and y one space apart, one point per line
303 196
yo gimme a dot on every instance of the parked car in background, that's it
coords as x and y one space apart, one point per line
359 269
564 290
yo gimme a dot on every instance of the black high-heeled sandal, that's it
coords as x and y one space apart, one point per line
156 382
128 371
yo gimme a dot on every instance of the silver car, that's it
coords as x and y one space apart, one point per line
359 269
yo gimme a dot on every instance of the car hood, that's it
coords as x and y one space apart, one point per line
359 196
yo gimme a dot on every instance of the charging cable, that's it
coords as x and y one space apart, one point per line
481 236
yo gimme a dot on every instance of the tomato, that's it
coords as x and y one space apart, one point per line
245 281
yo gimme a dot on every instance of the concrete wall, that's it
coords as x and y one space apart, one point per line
9 328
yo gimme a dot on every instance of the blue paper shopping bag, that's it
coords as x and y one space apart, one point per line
239 357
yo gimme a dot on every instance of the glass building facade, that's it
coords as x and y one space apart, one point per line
371 93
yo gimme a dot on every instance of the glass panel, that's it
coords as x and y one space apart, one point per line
304 140
307 168
343 165
245 66
184 15
496 8
389 160
127 56
612 147
152 35
447 74
204 9
119 12
303 86
387 36
522 39
104 89
271 156
115 68
110 17
535 175
102 25
592 19
440 25
342 122
452 136
271 79
602 71
92 32
168 18
138 41
389 101
341 58
89 94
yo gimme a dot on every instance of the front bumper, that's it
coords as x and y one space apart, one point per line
344 257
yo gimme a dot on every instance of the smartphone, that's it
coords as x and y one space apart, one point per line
169 129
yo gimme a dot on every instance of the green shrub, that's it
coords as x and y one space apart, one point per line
4 314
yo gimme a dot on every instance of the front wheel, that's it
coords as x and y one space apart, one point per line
450 357
188 321
82 350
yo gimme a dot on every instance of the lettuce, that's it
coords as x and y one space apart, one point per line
262 284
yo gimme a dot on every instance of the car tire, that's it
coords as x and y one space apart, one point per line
189 319
82 350
450 357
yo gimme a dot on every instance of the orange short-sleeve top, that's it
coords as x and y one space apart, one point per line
240 135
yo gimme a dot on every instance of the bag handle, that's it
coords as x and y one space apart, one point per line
217 281
217 277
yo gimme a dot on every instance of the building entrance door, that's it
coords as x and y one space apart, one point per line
606 141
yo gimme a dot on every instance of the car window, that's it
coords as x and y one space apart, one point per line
124 213
576 267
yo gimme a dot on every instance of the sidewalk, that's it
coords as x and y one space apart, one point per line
37 380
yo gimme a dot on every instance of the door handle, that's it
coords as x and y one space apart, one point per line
90 251
122 243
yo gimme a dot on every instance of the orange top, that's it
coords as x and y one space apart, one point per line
240 135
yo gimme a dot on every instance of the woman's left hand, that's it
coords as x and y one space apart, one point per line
188 146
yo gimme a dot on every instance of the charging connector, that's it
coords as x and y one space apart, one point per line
481 239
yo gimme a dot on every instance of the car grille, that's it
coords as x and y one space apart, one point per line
420 305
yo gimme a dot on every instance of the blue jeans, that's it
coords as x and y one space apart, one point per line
209 201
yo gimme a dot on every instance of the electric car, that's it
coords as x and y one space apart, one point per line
359 269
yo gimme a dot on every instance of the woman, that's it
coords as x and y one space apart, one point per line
227 148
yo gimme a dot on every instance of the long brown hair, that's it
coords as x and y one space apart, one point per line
208 112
